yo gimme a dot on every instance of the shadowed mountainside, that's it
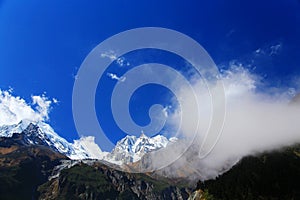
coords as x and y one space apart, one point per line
101 182
273 175
24 167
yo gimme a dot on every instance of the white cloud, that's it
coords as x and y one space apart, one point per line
110 54
115 77
259 51
255 122
166 110
121 61
269 50
275 49
90 147
13 109
42 105
54 100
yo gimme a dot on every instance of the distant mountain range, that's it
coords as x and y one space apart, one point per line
36 163
127 150
40 133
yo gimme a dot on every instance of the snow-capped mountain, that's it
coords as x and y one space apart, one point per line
41 133
128 149
132 148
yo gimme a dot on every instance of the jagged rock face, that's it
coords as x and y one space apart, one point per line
41 133
100 182
24 166
131 148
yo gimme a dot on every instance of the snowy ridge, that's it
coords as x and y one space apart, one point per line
42 134
9 130
15 112
128 149
132 148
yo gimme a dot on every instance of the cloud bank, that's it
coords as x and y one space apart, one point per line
13 109
256 121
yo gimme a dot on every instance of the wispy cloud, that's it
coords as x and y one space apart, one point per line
121 61
259 51
270 50
42 105
230 33
275 49
54 100
115 77
166 110
110 54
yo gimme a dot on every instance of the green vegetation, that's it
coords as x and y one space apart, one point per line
21 172
158 184
207 196
101 182
20 182
85 181
24 175
273 176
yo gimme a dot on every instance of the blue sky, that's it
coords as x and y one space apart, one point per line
43 43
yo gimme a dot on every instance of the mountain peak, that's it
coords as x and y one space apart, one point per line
128 149
143 135
132 149
41 133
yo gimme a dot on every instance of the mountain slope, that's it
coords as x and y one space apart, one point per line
41 133
101 182
273 175
129 149
24 167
